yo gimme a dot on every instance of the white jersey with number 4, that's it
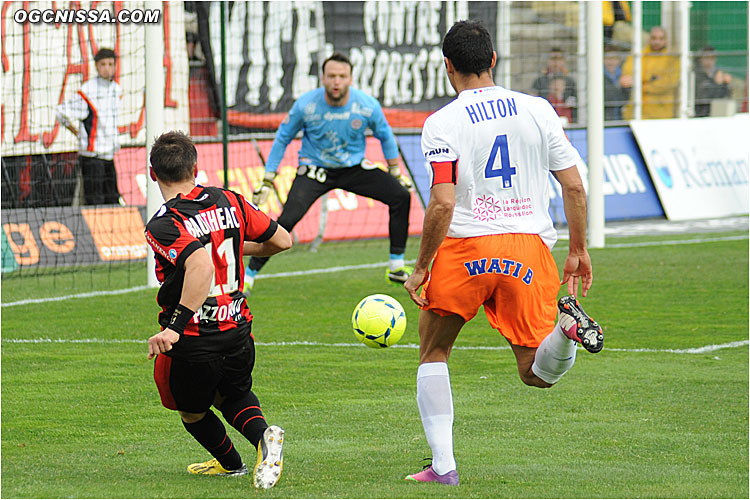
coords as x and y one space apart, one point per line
505 144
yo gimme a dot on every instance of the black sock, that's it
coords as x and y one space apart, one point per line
212 435
244 414
257 263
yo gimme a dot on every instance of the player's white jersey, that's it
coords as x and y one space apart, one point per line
505 144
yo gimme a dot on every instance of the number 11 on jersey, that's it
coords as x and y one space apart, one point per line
505 171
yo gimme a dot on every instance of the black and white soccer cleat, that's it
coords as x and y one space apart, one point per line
586 331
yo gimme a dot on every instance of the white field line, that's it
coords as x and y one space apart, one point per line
678 242
693 350
337 269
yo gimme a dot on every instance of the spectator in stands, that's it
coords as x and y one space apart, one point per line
97 108
191 45
556 97
615 14
659 79
615 96
556 68
710 82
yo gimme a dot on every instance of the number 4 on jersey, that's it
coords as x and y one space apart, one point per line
505 171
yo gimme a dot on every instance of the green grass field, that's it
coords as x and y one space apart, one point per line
644 418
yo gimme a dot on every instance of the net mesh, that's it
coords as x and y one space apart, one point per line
273 55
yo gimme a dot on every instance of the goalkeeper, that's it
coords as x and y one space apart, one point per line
333 120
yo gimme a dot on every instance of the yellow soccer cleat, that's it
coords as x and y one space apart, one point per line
398 276
214 468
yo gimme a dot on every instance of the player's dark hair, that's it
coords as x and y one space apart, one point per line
105 54
338 57
173 156
469 47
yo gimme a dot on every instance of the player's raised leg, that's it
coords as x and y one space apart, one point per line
557 351
545 365
241 408
270 458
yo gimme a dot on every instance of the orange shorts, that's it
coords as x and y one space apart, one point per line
513 275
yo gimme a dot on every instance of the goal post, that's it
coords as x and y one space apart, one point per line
154 123
595 123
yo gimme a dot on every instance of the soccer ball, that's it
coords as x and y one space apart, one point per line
379 321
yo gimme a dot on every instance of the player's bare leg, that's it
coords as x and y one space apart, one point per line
524 361
437 334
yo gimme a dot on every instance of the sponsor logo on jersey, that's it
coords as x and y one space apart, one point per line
224 312
157 247
344 115
436 151
218 219
310 108
172 253
506 267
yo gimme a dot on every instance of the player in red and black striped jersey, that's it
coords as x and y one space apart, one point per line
205 352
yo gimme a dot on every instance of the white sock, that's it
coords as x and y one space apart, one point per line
555 355
394 264
435 403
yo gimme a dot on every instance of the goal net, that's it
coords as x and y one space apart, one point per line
53 241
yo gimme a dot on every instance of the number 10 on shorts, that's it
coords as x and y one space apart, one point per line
505 171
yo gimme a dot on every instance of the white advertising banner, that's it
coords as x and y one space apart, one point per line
45 62
700 167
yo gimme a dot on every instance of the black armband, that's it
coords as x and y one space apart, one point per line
180 318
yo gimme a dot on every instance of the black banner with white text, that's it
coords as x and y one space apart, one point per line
274 51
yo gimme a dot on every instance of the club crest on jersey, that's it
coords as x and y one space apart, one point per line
172 253
356 124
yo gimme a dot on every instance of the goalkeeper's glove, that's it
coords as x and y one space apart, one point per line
395 171
260 195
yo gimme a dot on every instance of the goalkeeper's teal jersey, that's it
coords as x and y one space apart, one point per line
333 136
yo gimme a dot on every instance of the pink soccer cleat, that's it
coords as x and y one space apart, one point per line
428 475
